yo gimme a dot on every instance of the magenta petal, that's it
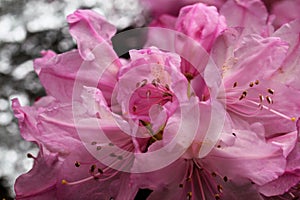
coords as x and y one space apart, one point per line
280 185
58 72
249 157
290 70
82 184
48 123
285 11
40 182
251 15
254 56
89 29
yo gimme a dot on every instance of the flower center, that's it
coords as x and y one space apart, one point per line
146 96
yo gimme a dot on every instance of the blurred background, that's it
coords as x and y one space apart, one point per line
26 28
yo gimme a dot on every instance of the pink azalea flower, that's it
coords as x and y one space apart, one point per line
132 114
109 128
279 10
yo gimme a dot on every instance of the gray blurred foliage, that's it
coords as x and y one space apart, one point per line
26 28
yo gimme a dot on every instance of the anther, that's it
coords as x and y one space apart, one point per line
217 196
220 188
271 91
251 84
113 155
154 82
93 143
256 82
166 94
235 84
189 76
100 171
244 94
219 146
261 98
120 157
99 148
214 174
293 119
110 144
134 108
143 83
64 182
29 155
270 101
167 87
181 185
225 178
189 195
77 164
234 134
92 169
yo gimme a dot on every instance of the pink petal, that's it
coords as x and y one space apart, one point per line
58 72
280 185
89 29
280 8
249 157
251 15
288 73
254 56
40 181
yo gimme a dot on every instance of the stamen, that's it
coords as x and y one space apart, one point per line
93 143
256 82
167 87
29 155
251 84
100 171
217 196
244 94
261 98
220 188
269 99
293 119
143 83
77 164
110 144
154 82
225 179
92 169
271 91
120 157
235 84
112 155
189 195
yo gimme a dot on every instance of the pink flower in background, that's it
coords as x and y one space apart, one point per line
108 129
172 7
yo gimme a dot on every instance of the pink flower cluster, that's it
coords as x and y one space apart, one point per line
217 118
